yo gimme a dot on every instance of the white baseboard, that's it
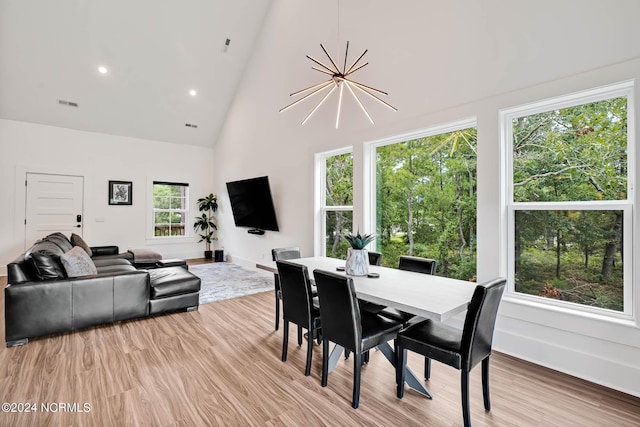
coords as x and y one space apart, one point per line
614 374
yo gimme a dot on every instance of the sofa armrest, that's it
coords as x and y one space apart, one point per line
104 250
37 308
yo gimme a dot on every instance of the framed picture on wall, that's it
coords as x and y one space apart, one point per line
120 192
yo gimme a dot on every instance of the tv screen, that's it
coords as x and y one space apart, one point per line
252 204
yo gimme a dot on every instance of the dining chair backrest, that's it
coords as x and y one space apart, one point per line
281 254
285 253
339 308
296 292
477 333
417 264
375 258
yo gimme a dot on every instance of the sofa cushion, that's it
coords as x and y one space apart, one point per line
77 263
46 266
106 261
141 256
170 281
115 268
60 240
46 247
79 241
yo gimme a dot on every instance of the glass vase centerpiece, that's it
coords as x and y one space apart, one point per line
357 256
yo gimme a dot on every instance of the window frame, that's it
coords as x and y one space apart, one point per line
370 164
320 202
151 237
506 116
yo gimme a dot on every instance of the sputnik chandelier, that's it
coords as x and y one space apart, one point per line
339 80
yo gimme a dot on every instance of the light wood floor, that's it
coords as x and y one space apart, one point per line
221 366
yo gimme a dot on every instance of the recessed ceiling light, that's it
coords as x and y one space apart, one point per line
102 70
192 92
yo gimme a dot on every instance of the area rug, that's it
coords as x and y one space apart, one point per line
224 280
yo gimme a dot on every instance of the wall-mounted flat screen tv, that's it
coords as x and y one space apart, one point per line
252 204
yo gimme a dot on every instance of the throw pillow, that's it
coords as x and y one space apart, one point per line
46 266
79 241
77 263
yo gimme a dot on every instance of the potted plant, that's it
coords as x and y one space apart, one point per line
357 256
204 223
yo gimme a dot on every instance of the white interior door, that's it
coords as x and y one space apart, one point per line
54 203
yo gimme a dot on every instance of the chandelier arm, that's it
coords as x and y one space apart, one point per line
364 86
357 60
311 87
346 52
339 105
347 83
319 104
356 69
324 85
357 86
322 65
330 59
322 71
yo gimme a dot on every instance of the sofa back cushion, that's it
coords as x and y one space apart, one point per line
77 263
45 247
60 240
44 266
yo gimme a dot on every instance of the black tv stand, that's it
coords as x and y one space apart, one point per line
257 231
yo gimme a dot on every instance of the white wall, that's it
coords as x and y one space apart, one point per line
28 147
440 62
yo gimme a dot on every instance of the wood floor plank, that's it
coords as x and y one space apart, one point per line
220 366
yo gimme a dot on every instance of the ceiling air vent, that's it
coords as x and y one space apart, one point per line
68 103
190 125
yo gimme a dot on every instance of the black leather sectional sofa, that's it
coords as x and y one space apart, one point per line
41 300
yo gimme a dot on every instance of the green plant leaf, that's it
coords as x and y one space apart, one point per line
359 241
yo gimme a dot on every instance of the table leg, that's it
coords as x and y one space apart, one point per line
410 377
335 356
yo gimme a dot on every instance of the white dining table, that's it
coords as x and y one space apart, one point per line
428 296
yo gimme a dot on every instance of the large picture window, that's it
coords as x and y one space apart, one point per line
569 201
170 209
425 198
336 201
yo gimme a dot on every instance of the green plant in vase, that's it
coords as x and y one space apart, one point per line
357 256
204 223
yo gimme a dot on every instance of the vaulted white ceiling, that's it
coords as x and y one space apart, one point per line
429 55
155 52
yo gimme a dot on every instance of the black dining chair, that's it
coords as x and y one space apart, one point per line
461 349
298 306
344 324
417 265
375 258
282 254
